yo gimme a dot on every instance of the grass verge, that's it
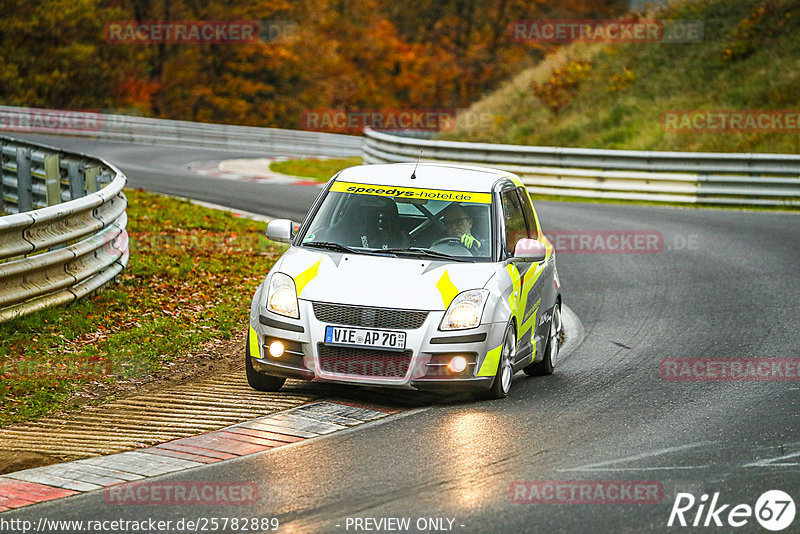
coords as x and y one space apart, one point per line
189 280
317 169
616 95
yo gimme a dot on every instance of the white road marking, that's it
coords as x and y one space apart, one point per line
254 170
612 469
770 462
642 456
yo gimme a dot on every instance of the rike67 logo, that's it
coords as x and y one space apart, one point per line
774 510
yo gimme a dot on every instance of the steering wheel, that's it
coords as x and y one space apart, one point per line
448 240
452 241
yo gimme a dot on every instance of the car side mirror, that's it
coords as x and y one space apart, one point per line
530 250
280 230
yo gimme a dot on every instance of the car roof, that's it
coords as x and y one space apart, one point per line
446 176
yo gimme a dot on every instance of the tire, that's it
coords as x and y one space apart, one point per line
501 384
258 381
548 363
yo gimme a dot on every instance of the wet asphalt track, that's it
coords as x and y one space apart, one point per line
606 414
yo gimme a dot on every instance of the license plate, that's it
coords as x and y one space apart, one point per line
362 337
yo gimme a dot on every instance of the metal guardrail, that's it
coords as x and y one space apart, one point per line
66 234
178 133
690 177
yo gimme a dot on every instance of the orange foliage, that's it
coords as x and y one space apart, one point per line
350 54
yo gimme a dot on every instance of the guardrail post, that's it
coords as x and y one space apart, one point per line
77 188
2 179
52 177
91 179
24 190
104 178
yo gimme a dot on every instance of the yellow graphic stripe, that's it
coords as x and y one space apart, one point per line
490 362
530 280
447 289
302 279
412 192
531 320
255 346
515 179
548 247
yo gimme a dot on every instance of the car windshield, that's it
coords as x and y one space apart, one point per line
405 221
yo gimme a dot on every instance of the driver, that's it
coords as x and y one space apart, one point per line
459 225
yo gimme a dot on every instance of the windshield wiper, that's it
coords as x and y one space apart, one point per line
417 251
330 245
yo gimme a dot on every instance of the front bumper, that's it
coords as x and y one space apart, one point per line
423 366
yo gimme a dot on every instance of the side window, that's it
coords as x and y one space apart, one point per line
527 209
513 218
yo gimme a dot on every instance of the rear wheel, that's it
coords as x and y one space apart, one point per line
258 381
548 363
505 368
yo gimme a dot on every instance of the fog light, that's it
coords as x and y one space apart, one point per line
276 349
457 364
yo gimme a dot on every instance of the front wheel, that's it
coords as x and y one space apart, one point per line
258 381
548 363
505 368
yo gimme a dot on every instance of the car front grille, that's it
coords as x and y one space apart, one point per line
364 362
369 317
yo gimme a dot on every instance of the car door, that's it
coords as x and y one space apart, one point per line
542 294
515 228
520 222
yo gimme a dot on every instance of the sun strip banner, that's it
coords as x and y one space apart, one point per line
412 192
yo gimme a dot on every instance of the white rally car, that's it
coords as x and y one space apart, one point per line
429 277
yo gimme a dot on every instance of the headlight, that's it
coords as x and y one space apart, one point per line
282 297
465 311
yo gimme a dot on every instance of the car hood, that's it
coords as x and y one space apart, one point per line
379 281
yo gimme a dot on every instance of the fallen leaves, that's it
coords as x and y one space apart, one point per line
189 280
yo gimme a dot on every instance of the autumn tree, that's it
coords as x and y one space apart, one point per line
351 54
54 55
